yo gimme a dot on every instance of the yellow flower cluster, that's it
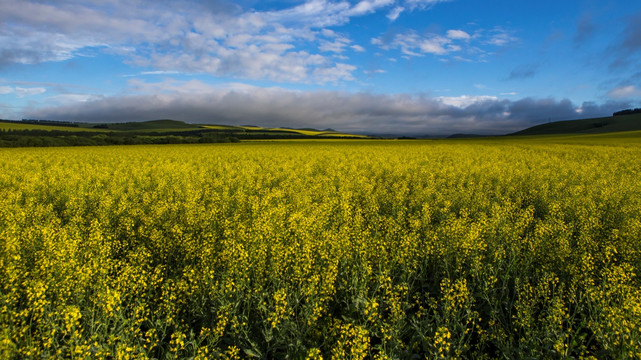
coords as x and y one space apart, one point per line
323 249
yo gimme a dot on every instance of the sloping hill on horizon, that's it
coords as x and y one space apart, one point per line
586 126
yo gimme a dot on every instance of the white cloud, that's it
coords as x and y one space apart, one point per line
369 6
458 35
321 13
500 37
6 90
328 33
169 86
338 45
414 45
625 92
377 71
437 45
73 98
422 4
160 72
21 92
468 47
358 48
411 5
395 13
335 73
464 101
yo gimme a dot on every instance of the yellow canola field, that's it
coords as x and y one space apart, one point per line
333 250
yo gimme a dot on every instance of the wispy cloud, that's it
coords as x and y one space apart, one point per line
626 52
458 35
72 98
499 36
625 92
410 5
369 6
337 45
422 4
411 43
464 101
21 91
632 33
395 13
585 29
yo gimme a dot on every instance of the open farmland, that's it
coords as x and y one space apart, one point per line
18 126
485 248
47 133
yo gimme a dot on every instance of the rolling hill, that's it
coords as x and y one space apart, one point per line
602 125
59 133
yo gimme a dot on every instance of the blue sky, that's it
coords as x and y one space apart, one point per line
378 66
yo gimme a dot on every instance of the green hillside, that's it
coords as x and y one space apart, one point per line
586 126
58 133
153 125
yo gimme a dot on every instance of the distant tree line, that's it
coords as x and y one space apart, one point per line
627 112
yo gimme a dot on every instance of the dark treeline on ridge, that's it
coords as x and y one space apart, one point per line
627 112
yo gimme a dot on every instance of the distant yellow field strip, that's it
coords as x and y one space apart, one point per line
17 126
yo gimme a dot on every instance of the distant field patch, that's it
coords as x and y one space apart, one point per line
19 126
222 127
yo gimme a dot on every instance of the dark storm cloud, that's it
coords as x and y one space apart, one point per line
532 110
591 109
361 112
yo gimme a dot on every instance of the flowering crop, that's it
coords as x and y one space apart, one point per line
322 249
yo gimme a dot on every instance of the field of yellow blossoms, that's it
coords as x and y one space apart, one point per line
322 249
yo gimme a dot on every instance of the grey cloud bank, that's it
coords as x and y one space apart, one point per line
400 114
